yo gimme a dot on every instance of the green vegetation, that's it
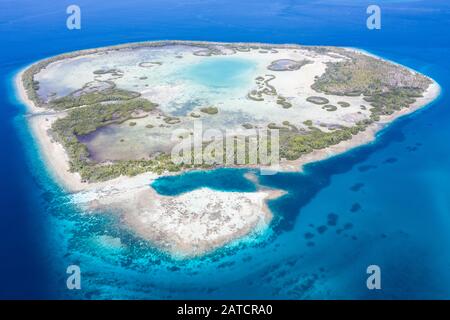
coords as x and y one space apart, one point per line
386 86
132 123
209 110
147 64
31 86
82 121
354 93
242 49
171 120
290 126
103 172
287 65
149 126
308 123
386 103
317 100
255 96
273 126
293 145
80 98
264 88
365 75
114 72
85 120
344 104
283 102
329 107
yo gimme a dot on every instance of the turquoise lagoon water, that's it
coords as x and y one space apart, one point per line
220 179
221 72
386 203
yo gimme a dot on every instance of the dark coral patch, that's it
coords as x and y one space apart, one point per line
366 168
332 219
309 235
355 207
357 186
321 229
390 160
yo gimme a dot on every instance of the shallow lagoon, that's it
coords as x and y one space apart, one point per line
221 72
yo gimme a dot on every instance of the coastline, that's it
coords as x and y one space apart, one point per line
365 137
53 153
134 195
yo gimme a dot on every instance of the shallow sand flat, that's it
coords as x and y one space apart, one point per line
190 224
174 223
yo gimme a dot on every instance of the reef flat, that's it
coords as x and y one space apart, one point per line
105 119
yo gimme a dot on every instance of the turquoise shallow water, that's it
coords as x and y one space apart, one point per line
221 72
220 179
386 203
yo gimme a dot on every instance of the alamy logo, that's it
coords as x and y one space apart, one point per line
374 280
74 19
74 280
374 20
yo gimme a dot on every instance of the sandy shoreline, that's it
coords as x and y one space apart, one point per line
147 212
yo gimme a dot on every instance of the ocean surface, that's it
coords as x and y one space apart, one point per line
386 203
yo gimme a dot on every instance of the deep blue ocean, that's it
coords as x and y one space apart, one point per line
386 203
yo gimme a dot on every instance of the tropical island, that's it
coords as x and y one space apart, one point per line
104 120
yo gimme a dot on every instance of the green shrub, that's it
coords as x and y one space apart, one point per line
317 100
329 107
209 110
